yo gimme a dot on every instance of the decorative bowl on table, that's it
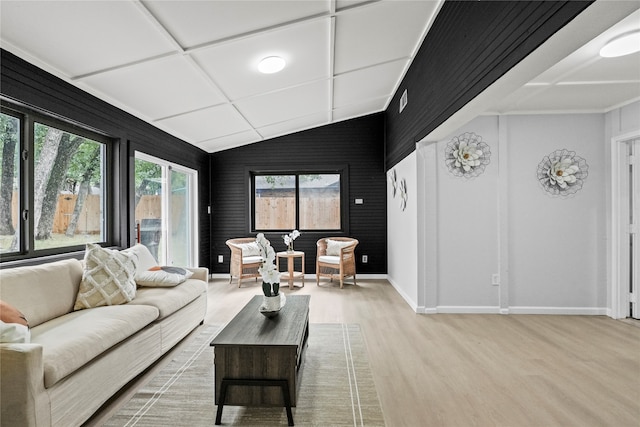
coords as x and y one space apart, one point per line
271 306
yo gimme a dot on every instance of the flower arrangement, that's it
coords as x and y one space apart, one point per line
289 238
562 173
467 155
268 271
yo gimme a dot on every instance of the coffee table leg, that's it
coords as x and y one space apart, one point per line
223 395
283 384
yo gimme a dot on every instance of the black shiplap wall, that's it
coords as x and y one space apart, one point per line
357 143
470 45
22 81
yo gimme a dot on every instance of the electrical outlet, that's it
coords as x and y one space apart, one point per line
220 259
365 259
495 279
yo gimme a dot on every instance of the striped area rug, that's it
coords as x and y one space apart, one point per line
336 387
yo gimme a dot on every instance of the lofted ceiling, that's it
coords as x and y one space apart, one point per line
190 67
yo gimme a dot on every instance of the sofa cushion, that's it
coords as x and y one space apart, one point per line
73 340
251 259
170 300
42 292
108 278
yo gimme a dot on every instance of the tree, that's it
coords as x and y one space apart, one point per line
9 140
88 157
67 147
147 179
49 140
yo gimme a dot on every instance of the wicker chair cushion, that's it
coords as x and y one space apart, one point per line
329 259
251 259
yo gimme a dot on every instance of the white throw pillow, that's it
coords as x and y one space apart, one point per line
107 279
249 249
14 333
162 276
145 258
334 247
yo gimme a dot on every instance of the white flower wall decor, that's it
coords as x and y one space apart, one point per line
562 173
467 155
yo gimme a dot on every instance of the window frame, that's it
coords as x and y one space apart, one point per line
28 117
342 171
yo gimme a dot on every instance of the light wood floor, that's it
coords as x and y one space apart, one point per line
471 370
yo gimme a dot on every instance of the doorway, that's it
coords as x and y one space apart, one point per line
625 251
165 210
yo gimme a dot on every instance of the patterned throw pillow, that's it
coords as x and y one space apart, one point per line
107 279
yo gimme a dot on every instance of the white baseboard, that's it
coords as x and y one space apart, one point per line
583 311
452 309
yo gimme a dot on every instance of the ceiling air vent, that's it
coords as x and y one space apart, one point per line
403 100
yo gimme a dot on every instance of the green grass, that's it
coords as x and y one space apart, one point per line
56 241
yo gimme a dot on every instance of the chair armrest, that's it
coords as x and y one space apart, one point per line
200 273
23 399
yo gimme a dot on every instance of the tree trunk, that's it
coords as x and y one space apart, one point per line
43 169
66 150
8 172
83 191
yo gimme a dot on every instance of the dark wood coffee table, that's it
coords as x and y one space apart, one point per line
257 358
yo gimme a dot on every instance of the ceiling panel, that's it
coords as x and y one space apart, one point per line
372 82
146 87
380 32
291 103
208 123
230 141
304 47
294 125
195 23
81 37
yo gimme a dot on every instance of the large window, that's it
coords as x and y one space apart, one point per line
52 185
303 201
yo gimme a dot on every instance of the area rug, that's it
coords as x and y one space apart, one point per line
336 387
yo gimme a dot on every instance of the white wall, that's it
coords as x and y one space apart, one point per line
402 239
551 253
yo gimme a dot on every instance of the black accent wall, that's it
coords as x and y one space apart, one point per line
357 144
36 88
470 45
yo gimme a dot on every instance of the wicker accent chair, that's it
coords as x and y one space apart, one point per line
243 266
336 257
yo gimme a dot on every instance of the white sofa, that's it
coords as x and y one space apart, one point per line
77 360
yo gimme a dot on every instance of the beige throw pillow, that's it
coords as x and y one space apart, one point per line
334 247
107 279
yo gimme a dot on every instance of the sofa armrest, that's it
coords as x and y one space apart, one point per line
23 398
200 273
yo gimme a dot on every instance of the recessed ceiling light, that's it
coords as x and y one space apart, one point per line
271 64
623 45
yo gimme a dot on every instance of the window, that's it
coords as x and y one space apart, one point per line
165 214
303 201
53 182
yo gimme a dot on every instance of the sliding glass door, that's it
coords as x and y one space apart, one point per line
166 214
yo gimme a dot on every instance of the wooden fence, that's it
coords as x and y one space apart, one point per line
316 213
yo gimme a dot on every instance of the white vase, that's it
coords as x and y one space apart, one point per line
271 303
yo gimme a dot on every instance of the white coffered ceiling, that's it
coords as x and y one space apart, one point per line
189 67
